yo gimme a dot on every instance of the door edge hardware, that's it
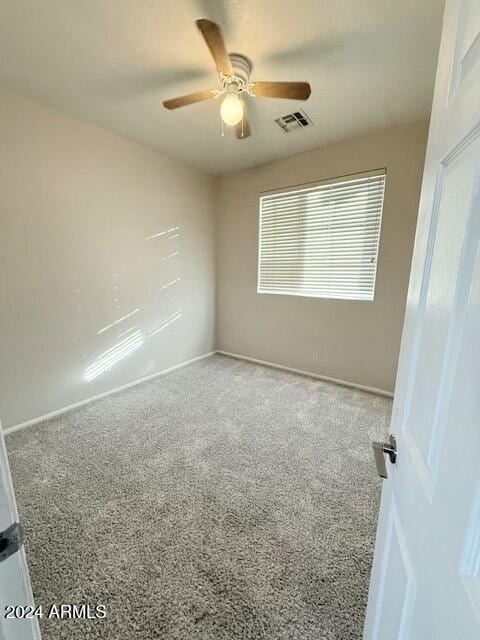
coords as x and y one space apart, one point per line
11 540
379 450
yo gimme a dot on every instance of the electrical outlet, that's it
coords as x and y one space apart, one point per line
319 354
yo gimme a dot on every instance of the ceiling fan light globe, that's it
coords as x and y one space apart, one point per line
231 109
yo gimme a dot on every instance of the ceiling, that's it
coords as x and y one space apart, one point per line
371 64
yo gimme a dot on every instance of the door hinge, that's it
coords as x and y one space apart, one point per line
10 541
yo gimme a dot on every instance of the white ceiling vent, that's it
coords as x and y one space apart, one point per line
294 121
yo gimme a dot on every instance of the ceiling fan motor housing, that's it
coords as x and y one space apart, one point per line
242 68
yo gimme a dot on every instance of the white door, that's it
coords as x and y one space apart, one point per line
15 589
426 574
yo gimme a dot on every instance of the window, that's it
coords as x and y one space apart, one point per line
322 240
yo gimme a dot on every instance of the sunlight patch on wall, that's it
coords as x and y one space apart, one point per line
169 284
109 326
124 333
171 255
162 233
161 324
110 357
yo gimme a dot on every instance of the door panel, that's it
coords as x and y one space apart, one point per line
467 48
440 313
398 581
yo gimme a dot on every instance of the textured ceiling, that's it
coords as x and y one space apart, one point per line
371 64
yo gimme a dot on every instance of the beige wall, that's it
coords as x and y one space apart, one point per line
77 206
354 341
83 282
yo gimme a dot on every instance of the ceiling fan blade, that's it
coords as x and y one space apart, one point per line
243 131
289 90
191 98
214 39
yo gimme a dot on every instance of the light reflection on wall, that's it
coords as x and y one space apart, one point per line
165 304
124 333
170 284
161 324
162 233
109 358
112 324
170 255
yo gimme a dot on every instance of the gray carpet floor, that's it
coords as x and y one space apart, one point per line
223 501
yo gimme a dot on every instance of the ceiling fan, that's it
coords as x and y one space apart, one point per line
234 71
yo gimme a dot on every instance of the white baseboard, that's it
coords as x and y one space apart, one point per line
58 412
309 374
275 365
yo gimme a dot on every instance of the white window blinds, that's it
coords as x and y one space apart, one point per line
322 241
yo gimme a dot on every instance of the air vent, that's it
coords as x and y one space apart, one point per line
294 121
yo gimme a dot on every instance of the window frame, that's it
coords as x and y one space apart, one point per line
308 186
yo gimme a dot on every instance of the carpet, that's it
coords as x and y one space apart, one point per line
225 500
